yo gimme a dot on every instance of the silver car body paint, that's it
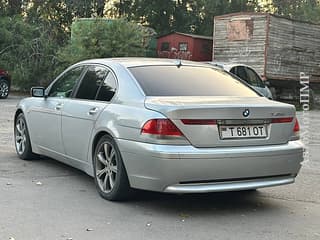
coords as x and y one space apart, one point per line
61 128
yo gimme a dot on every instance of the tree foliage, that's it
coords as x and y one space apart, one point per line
26 51
192 16
305 10
100 38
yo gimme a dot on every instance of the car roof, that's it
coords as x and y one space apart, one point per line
138 62
227 65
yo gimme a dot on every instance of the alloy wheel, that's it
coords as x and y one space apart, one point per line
106 167
21 137
4 89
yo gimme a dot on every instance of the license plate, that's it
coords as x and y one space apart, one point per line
245 131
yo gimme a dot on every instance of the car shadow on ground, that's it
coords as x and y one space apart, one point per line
240 202
181 205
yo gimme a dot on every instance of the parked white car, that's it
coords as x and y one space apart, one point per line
247 74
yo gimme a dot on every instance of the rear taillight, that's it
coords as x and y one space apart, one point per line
296 130
296 127
161 127
282 120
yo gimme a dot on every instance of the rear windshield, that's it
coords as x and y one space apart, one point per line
188 81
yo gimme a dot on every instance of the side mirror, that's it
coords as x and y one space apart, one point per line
38 92
267 83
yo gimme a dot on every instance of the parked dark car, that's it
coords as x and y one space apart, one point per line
5 83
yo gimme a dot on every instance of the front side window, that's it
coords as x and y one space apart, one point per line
64 86
188 81
108 88
91 82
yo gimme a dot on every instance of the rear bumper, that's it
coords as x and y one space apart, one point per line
230 185
185 169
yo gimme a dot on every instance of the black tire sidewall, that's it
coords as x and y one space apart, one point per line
121 188
7 83
27 154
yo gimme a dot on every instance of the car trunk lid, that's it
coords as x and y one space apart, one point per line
211 121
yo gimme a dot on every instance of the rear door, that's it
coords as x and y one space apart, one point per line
80 113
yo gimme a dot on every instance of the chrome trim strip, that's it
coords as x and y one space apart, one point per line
228 186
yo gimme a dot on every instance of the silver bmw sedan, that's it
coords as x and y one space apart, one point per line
160 125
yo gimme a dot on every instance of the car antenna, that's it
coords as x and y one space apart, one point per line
179 63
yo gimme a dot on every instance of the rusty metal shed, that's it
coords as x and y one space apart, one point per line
185 46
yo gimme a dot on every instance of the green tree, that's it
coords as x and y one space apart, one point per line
153 13
209 9
10 7
101 38
191 16
305 10
58 15
26 51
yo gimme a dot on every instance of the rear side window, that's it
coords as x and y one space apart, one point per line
188 81
242 73
108 88
233 70
254 78
91 82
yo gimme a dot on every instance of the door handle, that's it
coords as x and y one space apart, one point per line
93 111
59 106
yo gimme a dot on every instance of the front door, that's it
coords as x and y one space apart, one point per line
45 116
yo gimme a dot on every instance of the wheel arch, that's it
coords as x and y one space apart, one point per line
123 186
21 109
17 113
30 154
6 78
96 139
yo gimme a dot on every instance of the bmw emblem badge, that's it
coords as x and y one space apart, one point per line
246 112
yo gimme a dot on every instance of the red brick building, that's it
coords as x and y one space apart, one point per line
185 46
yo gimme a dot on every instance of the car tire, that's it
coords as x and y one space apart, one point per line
110 175
4 88
22 139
